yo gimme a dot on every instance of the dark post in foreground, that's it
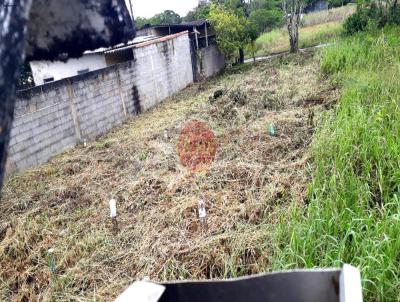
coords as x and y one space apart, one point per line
57 29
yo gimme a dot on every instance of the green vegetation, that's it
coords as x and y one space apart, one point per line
277 40
264 19
373 14
166 17
353 215
238 23
316 28
234 31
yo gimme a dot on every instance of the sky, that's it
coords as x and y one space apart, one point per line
148 8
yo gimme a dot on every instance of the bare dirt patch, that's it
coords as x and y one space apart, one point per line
64 204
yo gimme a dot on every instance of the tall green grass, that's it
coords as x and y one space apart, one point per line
316 28
277 40
353 213
338 14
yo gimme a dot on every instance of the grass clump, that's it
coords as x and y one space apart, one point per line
353 214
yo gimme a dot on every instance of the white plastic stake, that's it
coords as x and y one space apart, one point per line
202 211
113 208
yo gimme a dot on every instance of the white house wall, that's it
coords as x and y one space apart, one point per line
60 70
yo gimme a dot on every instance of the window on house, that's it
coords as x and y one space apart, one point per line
83 71
48 80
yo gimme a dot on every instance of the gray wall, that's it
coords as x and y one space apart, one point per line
52 118
212 61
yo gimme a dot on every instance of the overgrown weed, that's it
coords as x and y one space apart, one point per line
353 215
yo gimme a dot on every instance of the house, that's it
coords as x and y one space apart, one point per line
48 71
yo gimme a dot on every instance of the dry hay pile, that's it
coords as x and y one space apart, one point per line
64 205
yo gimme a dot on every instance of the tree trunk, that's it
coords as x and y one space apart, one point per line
293 37
254 53
241 56
293 11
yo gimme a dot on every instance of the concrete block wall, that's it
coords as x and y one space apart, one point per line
164 68
212 61
97 103
54 117
39 135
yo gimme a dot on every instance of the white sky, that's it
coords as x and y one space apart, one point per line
148 8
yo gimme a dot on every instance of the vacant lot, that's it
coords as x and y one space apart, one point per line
64 204
316 28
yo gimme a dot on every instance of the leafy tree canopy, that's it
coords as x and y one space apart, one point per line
266 19
166 17
234 31
201 12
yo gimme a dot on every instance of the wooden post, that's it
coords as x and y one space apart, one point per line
120 92
197 41
205 27
74 112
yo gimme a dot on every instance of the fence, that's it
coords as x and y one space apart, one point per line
54 117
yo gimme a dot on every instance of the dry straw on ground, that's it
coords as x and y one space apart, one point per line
64 204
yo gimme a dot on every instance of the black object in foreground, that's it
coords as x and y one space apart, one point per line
52 29
335 285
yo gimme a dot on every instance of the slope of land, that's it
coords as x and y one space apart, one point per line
63 205
316 28
354 211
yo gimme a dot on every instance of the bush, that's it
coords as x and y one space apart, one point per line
371 14
356 22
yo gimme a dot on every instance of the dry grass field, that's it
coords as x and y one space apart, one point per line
63 205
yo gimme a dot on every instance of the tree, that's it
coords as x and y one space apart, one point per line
265 19
233 32
166 17
293 10
201 12
264 4
372 14
140 22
